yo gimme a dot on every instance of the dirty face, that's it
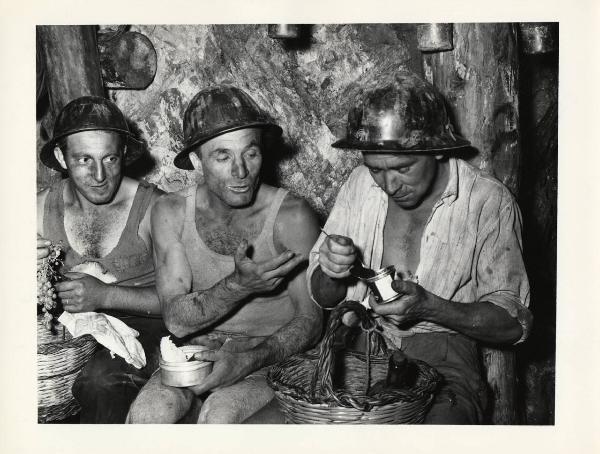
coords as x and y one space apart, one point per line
406 179
93 160
231 164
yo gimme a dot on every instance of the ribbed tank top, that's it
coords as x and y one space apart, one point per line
129 261
261 315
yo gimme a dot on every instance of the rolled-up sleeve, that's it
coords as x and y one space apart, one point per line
339 222
500 270
313 263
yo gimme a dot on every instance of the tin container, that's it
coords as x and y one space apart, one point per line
381 284
434 37
538 37
187 373
283 31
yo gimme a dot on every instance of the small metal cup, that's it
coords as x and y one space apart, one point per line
381 285
187 373
538 37
284 31
434 37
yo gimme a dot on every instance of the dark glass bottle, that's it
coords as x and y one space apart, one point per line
402 373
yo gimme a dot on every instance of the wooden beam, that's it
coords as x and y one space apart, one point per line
72 69
72 63
479 79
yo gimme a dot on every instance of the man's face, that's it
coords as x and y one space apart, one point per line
93 160
406 179
231 164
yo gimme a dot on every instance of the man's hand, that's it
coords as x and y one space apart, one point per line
43 248
82 292
410 306
262 277
336 256
229 367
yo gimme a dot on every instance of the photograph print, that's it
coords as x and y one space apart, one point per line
297 223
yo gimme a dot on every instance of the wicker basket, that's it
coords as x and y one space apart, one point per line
304 384
60 358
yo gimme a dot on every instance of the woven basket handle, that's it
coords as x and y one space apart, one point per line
323 373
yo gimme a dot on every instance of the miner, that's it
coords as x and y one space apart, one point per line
101 218
452 232
231 256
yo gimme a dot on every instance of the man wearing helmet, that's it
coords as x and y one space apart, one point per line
230 257
452 232
102 220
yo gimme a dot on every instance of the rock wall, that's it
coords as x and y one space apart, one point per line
303 85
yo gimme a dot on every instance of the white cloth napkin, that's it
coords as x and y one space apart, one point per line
109 331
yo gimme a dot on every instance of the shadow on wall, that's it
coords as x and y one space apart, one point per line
466 153
275 151
302 42
145 163
538 202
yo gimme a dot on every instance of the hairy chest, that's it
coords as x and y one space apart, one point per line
223 236
96 233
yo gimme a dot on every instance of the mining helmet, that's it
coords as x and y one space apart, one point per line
402 115
218 110
89 113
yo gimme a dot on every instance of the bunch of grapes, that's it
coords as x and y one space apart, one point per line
47 275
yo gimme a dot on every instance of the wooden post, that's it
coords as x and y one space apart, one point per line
72 69
479 79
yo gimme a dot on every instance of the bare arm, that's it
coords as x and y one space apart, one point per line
41 201
132 300
84 293
483 320
187 312
184 312
296 229
42 243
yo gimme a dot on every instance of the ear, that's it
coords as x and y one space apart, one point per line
60 157
195 160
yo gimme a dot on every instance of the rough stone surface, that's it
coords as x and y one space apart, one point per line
305 86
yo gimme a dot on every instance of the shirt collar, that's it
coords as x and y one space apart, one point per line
450 194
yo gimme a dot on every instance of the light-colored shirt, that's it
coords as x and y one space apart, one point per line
471 248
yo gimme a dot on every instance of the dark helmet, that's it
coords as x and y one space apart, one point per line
404 115
89 113
218 110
